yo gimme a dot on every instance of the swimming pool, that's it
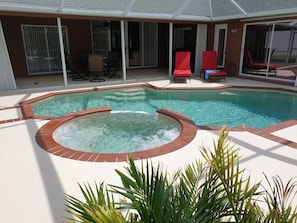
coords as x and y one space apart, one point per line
232 107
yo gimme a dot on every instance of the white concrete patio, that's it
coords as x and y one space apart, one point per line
33 182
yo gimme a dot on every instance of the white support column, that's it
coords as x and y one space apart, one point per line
7 80
62 51
170 48
270 48
295 82
123 50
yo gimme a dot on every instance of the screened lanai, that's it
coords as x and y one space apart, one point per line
165 11
193 10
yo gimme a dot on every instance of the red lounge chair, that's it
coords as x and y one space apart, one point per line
210 66
252 65
182 65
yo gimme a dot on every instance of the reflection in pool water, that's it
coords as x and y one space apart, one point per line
117 132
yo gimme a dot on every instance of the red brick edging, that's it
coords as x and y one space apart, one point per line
266 132
44 139
10 120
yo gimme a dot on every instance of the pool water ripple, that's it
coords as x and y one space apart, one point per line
117 132
232 107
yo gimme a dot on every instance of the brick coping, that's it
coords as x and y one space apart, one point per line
179 142
45 140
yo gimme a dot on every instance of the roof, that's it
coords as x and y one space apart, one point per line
189 10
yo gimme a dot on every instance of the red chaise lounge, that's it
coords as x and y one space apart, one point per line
252 65
210 66
182 65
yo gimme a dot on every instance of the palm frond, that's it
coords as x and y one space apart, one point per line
93 199
147 189
237 193
279 200
216 190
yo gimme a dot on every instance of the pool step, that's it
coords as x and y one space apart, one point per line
128 94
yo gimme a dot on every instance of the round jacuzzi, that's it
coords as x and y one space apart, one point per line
117 132
103 135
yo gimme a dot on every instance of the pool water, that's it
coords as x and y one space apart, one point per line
230 107
117 132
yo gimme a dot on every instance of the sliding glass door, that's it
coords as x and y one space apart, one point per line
141 44
270 50
219 44
101 37
140 40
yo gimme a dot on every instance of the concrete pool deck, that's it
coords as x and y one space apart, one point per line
33 181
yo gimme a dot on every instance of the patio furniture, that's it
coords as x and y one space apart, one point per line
96 66
77 72
210 66
256 66
182 65
113 64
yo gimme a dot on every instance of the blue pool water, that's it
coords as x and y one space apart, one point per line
107 132
230 107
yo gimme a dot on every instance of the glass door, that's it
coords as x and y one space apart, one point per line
134 47
42 48
141 44
270 50
101 37
150 44
220 42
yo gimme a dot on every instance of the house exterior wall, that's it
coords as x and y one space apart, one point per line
80 40
233 43
79 36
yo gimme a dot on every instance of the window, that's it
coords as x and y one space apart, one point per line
42 48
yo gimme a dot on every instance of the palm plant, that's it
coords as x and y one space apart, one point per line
97 207
235 192
148 190
183 198
279 201
213 191
201 193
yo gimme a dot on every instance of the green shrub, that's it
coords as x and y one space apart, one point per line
211 191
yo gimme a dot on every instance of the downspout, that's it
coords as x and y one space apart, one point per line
170 47
123 50
62 52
